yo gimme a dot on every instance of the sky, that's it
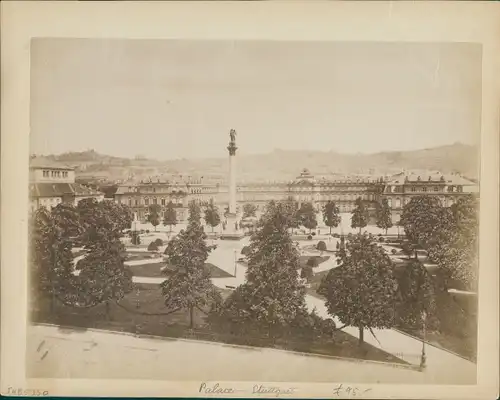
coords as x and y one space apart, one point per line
170 99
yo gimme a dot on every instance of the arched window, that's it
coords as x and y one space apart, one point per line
129 201
146 201
155 201
162 202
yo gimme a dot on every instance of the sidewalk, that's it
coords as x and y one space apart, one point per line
407 348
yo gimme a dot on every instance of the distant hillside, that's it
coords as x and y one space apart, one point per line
281 164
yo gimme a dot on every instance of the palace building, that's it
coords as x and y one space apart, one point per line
52 183
398 189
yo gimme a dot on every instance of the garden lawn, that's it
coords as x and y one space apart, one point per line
153 270
143 312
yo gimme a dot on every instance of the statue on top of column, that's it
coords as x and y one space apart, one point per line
232 144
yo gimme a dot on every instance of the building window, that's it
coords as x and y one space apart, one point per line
413 189
162 202
45 174
424 189
129 201
136 202
155 201
459 188
436 189
146 201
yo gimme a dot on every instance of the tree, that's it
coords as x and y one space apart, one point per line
212 216
306 273
272 298
67 218
249 210
152 246
103 275
409 249
331 215
422 218
321 246
154 215
359 218
291 208
170 216
312 262
102 221
362 291
51 259
384 217
189 285
454 247
307 216
416 292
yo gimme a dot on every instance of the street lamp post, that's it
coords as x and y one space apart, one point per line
235 263
423 356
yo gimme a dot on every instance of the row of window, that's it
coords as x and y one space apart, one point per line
55 174
397 203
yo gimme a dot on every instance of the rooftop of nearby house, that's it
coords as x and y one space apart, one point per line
45 163
61 189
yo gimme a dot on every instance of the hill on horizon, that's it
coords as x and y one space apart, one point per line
280 164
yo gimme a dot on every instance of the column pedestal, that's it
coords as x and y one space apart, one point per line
231 232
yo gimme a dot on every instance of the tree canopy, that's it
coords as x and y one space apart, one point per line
170 216
307 216
416 295
384 217
154 215
189 285
272 297
212 216
331 215
249 210
362 291
359 218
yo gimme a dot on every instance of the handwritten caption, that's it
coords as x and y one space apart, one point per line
11 391
276 391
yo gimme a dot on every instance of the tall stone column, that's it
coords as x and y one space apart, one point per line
232 230
232 177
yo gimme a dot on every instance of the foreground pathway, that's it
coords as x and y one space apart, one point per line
406 347
88 354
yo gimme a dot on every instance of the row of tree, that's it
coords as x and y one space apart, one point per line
448 234
305 215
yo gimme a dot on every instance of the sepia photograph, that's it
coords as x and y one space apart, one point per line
307 198
248 210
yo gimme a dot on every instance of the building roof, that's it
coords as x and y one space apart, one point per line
415 177
61 189
43 162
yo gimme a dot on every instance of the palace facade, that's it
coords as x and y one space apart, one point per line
398 189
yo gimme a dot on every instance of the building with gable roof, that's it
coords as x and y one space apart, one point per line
52 183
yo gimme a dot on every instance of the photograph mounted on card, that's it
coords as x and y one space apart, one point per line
231 213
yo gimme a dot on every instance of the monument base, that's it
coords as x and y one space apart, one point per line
232 232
